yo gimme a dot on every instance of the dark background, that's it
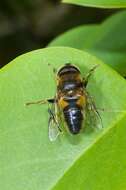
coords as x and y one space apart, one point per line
26 25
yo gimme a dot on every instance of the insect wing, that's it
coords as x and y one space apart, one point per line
53 125
53 129
93 117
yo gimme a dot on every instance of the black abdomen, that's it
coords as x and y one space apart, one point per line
73 117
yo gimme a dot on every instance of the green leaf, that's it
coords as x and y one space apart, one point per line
95 159
98 3
106 41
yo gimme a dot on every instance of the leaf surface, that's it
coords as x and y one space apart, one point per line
98 3
94 159
106 41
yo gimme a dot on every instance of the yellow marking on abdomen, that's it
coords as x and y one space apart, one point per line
81 101
62 103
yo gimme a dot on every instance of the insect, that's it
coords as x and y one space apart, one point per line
72 103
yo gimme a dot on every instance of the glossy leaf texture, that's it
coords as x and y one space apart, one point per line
95 159
107 41
98 3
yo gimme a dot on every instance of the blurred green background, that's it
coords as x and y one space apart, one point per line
26 25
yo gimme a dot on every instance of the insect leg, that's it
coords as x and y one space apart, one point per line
53 68
41 102
54 71
85 80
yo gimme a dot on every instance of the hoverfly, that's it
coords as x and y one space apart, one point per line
71 103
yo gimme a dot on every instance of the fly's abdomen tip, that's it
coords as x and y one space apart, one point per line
73 118
75 130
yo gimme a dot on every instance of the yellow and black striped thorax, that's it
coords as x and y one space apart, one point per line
70 96
70 86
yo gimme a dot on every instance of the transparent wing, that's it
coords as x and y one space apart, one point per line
93 117
53 125
53 130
